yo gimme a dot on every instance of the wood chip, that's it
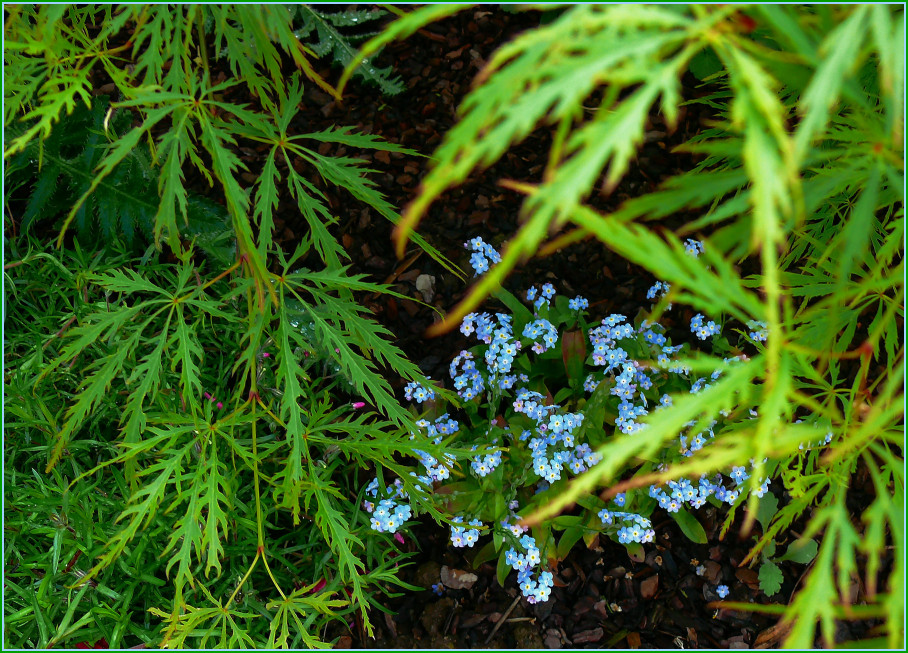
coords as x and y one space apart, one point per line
749 577
692 637
552 639
586 636
412 308
392 627
473 620
457 579
648 587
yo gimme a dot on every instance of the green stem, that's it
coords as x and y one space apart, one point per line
242 582
203 50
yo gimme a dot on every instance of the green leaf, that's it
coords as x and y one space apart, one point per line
566 521
592 503
690 526
770 578
801 551
337 324
289 375
124 147
68 158
187 352
840 53
94 390
343 136
298 616
519 311
144 503
503 569
568 539
485 554
67 87
710 283
705 64
266 200
767 508
336 529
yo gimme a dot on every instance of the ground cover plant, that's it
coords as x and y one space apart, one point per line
185 428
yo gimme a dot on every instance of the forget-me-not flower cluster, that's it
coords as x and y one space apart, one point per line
758 332
541 298
536 589
657 290
693 247
461 536
635 528
483 256
704 331
389 514
543 333
416 392
628 362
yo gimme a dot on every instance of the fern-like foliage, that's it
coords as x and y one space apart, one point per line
62 168
54 173
331 39
218 481
164 75
222 431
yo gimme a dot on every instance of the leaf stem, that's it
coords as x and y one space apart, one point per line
212 281
271 576
242 582
203 50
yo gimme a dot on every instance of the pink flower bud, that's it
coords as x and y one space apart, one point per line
399 538
219 405
209 397
266 355
358 404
